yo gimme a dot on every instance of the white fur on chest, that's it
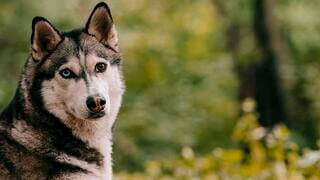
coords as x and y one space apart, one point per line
98 136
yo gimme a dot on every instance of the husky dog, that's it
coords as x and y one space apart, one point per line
59 123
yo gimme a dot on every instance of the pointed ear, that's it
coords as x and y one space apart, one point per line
100 25
44 38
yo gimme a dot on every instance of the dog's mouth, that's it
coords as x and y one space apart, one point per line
96 115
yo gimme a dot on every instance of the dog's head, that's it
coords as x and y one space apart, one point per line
77 73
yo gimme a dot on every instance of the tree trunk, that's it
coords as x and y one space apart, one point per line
270 104
259 80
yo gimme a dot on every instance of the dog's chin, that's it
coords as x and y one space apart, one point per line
96 116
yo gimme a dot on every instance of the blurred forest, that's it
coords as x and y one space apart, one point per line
193 70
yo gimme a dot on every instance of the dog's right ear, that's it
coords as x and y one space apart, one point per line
44 39
100 25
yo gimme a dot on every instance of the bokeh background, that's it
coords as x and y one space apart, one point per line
208 81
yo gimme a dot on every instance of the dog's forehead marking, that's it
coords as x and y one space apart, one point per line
82 43
82 58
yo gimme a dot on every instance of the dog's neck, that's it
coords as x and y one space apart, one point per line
98 136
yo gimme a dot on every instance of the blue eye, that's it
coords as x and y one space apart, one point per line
66 73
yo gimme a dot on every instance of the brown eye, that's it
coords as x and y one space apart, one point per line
100 67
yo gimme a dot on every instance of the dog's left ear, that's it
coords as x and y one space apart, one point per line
44 39
100 25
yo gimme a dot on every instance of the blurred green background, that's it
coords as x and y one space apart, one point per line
189 66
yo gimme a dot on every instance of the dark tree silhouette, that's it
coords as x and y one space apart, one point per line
260 79
270 104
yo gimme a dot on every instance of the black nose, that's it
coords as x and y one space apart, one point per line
96 103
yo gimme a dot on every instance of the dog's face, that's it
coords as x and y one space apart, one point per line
78 71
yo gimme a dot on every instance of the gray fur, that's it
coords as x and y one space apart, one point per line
46 132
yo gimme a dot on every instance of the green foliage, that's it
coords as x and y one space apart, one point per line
266 154
182 90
